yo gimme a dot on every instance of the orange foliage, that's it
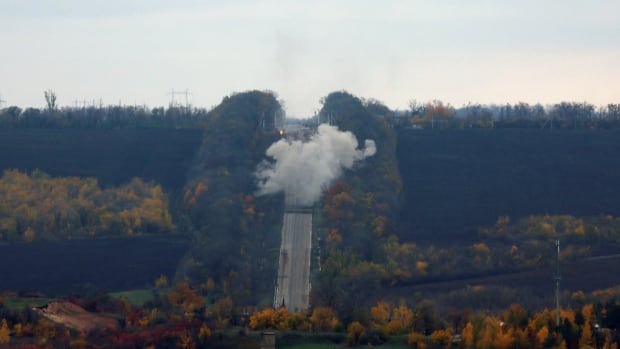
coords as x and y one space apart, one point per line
442 338
187 298
5 333
541 336
355 331
416 340
380 314
467 336
324 319
402 319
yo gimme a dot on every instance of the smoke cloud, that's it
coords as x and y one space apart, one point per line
303 169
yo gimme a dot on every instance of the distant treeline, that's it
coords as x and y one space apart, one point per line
434 114
103 117
565 115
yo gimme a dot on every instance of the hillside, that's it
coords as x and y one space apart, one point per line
458 180
234 232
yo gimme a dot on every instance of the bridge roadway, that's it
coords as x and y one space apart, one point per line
293 282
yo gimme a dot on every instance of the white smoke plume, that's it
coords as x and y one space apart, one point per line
303 169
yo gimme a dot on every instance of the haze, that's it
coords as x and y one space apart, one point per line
135 52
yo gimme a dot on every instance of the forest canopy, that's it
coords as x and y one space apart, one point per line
38 206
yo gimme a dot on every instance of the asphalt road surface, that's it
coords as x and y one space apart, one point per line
293 284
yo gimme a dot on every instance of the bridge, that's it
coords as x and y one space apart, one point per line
293 281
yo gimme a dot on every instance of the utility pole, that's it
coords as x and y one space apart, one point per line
172 93
557 284
185 93
1 101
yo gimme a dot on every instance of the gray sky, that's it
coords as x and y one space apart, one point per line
136 51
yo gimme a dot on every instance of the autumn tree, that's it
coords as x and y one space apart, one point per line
442 338
38 206
416 340
355 331
324 319
380 315
401 320
5 333
263 319
467 336
186 298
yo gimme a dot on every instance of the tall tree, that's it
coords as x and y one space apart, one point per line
50 100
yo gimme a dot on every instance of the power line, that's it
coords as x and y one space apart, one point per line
174 93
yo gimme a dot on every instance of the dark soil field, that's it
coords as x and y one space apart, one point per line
458 180
88 266
111 156
534 289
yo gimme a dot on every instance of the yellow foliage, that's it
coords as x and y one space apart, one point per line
161 282
223 310
324 319
547 228
580 229
334 236
481 249
586 335
263 319
379 226
503 220
541 336
467 336
355 331
209 285
5 333
503 339
513 250
18 330
380 314
29 234
143 321
70 206
490 328
279 319
283 320
588 312
421 266
187 298
402 319
186 341
442 338
205 332
416 339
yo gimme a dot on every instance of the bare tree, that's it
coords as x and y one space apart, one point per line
50 99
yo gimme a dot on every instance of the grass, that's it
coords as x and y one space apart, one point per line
139 297
21 302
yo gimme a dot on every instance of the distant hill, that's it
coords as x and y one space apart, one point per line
112 156
457 180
